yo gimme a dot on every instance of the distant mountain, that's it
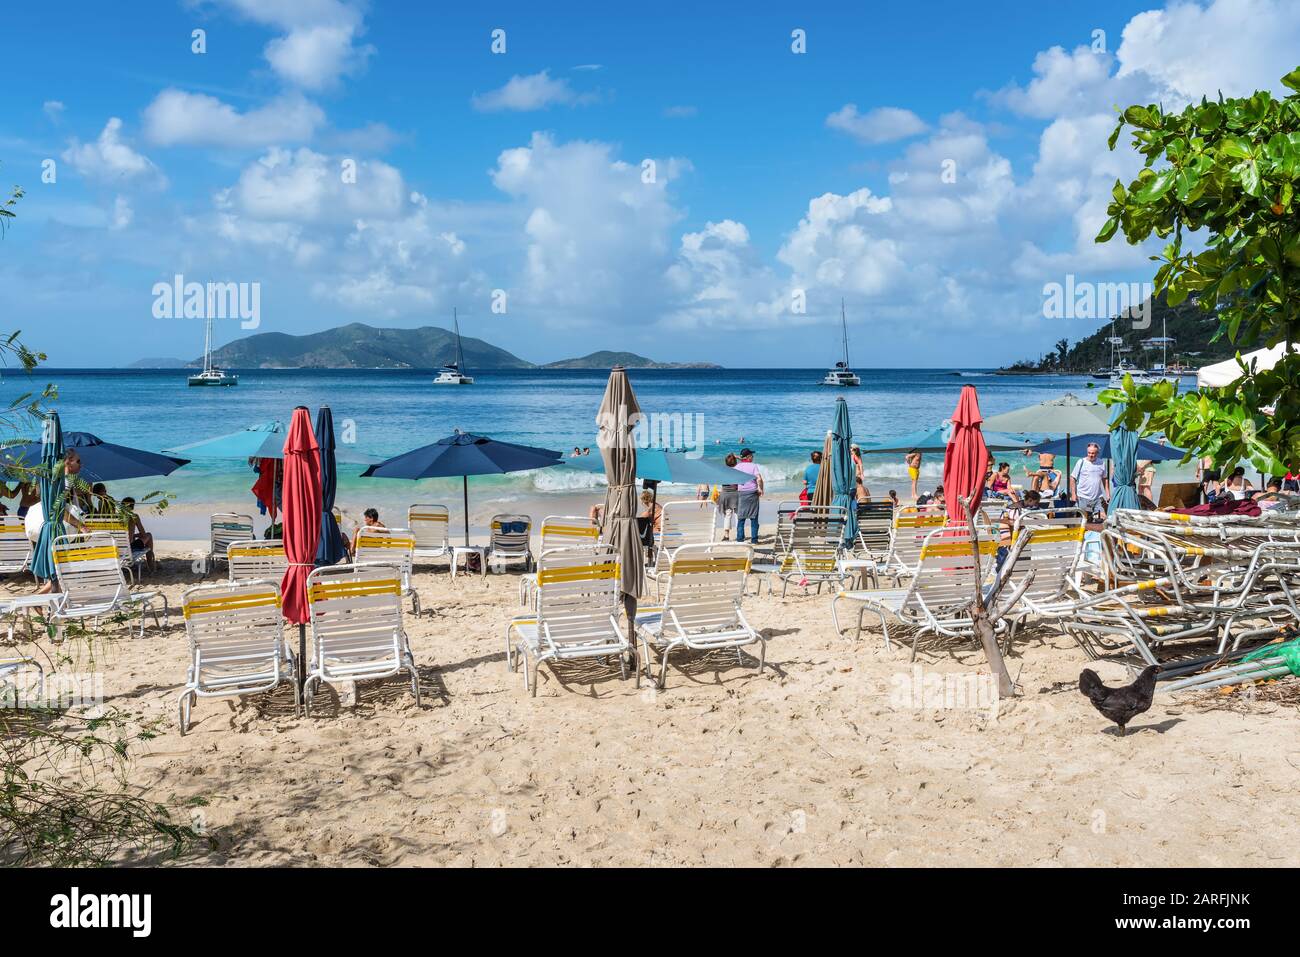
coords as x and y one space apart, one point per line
159 363
629 360
358 346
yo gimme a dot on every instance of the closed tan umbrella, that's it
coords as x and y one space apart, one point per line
822 493
618 415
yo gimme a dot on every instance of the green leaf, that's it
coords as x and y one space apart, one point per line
1292 80
1108 230
1155 187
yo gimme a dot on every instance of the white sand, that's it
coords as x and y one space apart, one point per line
819 760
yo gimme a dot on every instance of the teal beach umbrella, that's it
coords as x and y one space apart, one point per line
843 474
671 466
262 441
52 497
1123 458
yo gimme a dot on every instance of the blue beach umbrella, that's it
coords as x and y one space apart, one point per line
936 440
671 466
1146 449
463 455
100 461
1124 445
331 548
843 474
262 441
52 498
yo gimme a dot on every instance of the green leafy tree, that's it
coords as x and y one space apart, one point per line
1223 173
1062 350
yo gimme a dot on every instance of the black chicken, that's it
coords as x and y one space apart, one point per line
1120 705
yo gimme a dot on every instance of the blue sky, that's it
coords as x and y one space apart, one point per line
777 176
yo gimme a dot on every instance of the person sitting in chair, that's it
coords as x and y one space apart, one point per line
371 519
141 540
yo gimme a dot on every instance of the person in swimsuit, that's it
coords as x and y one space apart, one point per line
913 460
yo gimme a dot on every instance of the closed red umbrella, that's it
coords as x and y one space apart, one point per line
966 460
300 514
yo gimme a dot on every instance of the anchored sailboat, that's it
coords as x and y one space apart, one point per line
451 373
842 375
211 375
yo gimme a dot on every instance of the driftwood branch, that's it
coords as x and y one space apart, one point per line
982 623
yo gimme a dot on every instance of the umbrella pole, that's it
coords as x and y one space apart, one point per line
465 480
302 657
1068 470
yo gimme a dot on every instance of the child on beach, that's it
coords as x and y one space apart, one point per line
913 460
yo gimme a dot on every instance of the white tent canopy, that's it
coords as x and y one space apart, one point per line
1228 372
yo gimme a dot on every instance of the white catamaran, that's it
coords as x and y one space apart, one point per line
842 375
451 373
211 375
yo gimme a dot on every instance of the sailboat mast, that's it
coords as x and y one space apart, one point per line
207 344
460 357
844 330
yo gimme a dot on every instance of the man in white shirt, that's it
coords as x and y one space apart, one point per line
1089 486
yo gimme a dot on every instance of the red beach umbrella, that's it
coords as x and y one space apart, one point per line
300 514
965 462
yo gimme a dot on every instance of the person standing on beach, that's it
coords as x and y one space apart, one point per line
749 494
913 460
1089 485
728 500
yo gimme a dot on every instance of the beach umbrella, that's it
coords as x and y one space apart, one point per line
1146 449
966 461
671 466
1068 417
821 493
1068 414
331 548
263 441
462 455
1124 444
936 440
618 414
100 461
52 498
301 518
843 474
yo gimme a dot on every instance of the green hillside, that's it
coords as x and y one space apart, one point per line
1187 324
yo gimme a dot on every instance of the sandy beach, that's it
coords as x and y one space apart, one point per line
840 752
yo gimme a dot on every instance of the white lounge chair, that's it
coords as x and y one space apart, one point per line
940 595
390 546
131 560
430 526
91 582
816 548
1047 544
224 528
701 608
682 523
577 612
15 547
559 532
356 627
508 543
237 645
257 558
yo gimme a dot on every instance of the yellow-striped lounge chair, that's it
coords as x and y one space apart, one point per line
356 627
237 645
577 613
701 608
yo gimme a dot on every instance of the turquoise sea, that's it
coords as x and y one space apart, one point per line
781 413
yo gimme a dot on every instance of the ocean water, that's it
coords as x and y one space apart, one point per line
781 413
